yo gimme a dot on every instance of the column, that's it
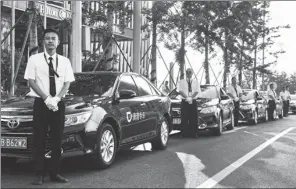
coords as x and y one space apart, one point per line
137 36
76 52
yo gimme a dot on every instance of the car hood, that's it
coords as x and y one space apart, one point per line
24 105
199 101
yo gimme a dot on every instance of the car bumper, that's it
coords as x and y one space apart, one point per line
206 121
74 143
293 108
246 115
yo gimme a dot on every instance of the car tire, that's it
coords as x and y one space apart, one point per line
231 125
265 119
106 147
162 138
254 121
218 131
282 114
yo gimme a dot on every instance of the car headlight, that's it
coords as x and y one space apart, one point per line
208 110
75 119
246 107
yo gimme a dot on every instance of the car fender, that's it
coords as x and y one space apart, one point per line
99 115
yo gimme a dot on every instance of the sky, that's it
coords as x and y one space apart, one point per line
281 13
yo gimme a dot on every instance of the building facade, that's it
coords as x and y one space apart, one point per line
57 11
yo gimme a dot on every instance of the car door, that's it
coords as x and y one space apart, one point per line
226 105
150 103
260 104
129 109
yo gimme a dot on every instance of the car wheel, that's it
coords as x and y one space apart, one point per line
231 125
162 139
218 131
266 116
282 114
106 147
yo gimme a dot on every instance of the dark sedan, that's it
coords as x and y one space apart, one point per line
293 104
279 110
104 112
253 107
215 109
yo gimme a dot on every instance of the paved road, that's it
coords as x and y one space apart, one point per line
249 156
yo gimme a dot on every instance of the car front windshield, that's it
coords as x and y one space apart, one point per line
207 91
99 85
248 95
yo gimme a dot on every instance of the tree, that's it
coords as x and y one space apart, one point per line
155 17
175 30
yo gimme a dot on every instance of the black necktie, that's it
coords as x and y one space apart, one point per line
52 85
235 90
189 86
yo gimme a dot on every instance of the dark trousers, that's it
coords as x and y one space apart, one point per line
271 109
189 118
236 113
285 107
42 118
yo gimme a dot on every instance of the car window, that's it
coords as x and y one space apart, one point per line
143 86
223 93
154 90
293 97
127 83
92 85
208 91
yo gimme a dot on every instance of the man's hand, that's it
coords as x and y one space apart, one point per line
236 99
189 100
51 103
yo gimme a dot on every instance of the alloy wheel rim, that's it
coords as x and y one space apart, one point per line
232 120
266 115
164 132
255 117
107 146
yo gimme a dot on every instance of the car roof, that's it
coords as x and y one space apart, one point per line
106 73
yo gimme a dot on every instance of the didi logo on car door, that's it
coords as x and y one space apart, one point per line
135 116
129 116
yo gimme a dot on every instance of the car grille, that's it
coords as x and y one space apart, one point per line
24 127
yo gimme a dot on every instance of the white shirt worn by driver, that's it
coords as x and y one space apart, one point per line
183 86
38 70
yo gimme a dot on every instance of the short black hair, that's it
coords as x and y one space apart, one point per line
287 86
50 30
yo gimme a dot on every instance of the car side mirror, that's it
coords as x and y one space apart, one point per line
126 94
224 97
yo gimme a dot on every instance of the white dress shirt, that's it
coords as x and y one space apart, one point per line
284 95
38 70
271 93
183 86
231 90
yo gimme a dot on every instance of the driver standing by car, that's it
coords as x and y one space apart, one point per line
235 92
271 102
189 88
49 76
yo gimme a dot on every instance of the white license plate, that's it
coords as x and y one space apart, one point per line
177 121
14 142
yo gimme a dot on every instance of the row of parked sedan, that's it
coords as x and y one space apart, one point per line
106 111
215 108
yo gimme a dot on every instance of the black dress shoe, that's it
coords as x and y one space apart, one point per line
39 180
58 178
